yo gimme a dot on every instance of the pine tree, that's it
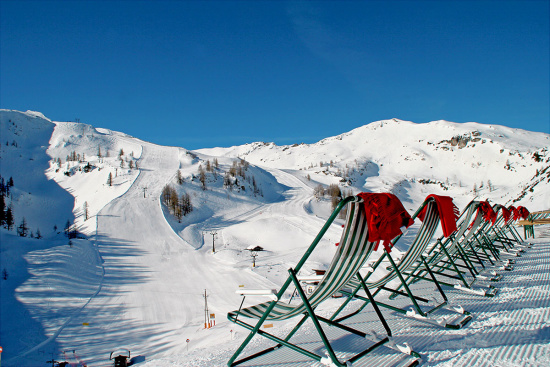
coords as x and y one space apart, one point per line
2 210
2 187
99 151
22 229
9 218
121 152
185 203
178 211
110 179
68 228
38 234
227 182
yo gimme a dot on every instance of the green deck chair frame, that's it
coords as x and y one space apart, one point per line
456 257
492 245
503 235
466 252
412 258
350 256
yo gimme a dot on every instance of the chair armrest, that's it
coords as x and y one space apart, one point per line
271 293
310 278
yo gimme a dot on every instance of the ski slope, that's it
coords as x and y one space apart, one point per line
149 297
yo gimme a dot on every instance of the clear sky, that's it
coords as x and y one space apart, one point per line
201 74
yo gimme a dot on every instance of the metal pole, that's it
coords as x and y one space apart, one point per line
213 245
206 316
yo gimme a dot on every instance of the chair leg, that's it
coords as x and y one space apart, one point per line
253 332
314 319
280 342
374 305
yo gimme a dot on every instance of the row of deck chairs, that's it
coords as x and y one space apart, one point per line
470 255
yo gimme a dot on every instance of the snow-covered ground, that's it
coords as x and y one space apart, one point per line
136 275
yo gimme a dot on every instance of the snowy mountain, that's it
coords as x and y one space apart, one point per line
121 263
503 164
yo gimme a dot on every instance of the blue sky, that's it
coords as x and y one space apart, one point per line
201 74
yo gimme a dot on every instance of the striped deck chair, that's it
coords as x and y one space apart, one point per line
490 244
497 243
458 259
528 230
504 234
353 250
524 214
399 270
467 247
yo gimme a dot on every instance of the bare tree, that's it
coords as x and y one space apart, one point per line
202 177
319 191
179 177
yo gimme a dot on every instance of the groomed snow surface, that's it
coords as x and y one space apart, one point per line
137 276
